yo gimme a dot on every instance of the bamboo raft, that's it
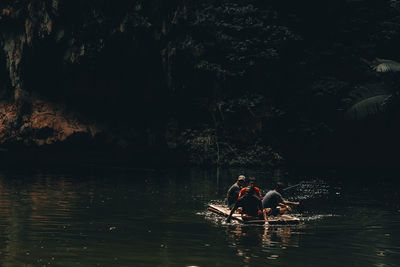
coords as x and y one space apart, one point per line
223 210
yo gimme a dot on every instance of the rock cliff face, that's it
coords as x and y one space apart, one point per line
49 51
26 119
44 123
217 82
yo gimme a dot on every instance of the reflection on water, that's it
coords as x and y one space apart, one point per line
33 210
101 217
266 239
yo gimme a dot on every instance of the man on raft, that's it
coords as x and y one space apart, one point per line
233 192
254 207
273 202
250 201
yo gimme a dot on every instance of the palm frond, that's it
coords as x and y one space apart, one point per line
367 107
386 65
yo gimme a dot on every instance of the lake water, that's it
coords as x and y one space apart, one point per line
126 217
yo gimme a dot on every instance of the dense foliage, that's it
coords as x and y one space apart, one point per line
233 82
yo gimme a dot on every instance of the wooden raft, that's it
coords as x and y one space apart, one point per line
223 210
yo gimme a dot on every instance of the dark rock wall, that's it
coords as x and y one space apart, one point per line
212 82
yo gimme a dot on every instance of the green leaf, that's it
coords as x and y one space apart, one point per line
367 107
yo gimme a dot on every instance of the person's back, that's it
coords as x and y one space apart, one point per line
251 205
233 192
274 203
250 199
272 199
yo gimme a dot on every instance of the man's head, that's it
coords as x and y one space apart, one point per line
241 180
250 188
252 181
279 187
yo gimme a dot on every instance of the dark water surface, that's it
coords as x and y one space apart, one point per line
115 217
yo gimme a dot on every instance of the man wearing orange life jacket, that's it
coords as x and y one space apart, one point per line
252 182
250 201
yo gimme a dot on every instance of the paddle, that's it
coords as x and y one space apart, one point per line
290 187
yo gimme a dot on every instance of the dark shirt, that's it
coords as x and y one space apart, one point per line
250 205
272 199
232 195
